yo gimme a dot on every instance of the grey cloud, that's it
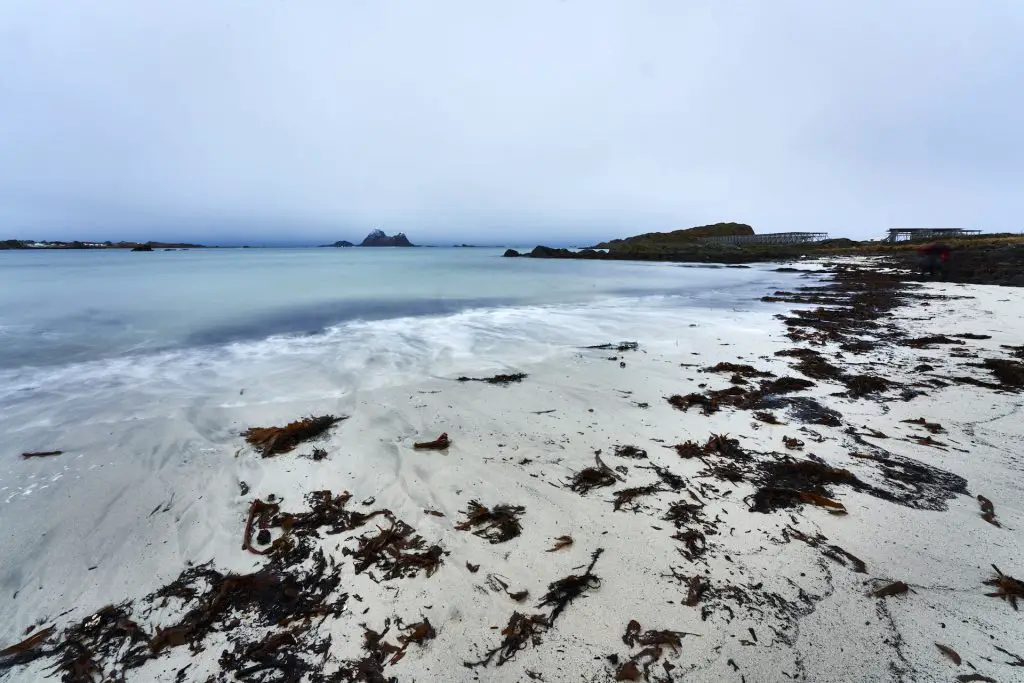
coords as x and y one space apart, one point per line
506 121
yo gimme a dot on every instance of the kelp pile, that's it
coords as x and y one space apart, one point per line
276 440
498 524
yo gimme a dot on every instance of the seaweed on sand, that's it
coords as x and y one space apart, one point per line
396 551
829 550
560 542
109 636
933 427
497 525
862 385
563 591
689 449
524 630
653 643
26 650
712 401
439 444
925 342
521 631
620 347
894 588
785 385
1007 587
816 367
631 452
325 510
593 477
766 417
739 369
275 440
788 483
682 513
501 380
41 454
1009 373
628 496
988 510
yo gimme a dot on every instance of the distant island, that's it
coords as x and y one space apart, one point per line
132 246
377 238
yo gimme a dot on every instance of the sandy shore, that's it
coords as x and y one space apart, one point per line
727 551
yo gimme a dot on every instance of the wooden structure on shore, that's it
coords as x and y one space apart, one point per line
915 234
769 238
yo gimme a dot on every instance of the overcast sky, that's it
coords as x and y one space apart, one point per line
230 121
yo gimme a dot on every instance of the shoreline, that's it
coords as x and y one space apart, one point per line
773 592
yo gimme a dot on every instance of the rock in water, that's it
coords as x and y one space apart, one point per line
511 253
378 238
549 252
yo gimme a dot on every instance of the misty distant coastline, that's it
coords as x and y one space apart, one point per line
76 244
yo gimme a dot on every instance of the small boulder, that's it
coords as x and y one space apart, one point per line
511 253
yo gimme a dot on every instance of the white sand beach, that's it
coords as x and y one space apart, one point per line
771 599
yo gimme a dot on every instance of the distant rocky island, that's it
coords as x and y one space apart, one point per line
377 238
133 246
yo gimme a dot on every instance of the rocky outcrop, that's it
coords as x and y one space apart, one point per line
339 243
550 252
378 238
511 253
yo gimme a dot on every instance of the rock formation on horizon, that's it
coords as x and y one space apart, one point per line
339 243
378 238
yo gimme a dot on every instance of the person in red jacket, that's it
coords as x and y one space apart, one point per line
933 259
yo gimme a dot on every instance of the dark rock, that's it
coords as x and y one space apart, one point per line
263 537
550 252
378 238
511 253
142 247
339 243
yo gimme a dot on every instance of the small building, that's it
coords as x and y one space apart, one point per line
916 234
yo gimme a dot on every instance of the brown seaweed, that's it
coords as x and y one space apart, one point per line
1007 587
862 385
497 525
560 542
894 588
521 631
689 449
591 478
1009 373
628 496
949 652
786 385
988 510
439 444
933 427
564 591
275 440
25 650
739 369
631 452
396 551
